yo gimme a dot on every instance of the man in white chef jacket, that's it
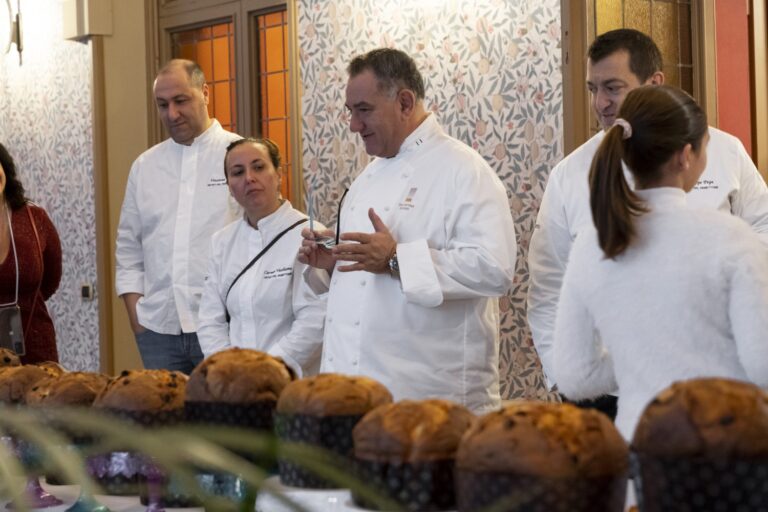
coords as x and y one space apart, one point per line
618 62
175 199
427 246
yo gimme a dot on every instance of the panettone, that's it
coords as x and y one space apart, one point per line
542 457
546 440
331 394
68 389
52 368
705 417
407 451
238 375
144 390
9 358
16 381
321 411
702 444
412 431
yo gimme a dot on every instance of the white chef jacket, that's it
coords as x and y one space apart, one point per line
175 199
730 182
434 332
688 300
271 307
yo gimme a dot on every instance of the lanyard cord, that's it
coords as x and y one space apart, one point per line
15 259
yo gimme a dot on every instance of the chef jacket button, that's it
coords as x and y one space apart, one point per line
386 208
330 319
354 363
352 208
362 283
357 322
335 281
330 359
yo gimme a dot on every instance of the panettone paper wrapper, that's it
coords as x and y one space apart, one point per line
680 484
171 493
332 433
257 416
417 487
149 419
254 416
510 492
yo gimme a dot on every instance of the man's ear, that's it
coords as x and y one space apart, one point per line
407 101
656 79
206 93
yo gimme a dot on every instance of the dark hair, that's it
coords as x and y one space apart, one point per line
14 190
663 119
393 68
644 55
193 70
272 149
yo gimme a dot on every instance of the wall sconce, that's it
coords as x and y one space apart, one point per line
14 30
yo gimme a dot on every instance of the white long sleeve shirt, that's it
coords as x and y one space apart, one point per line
175 199
730 183
434 332
688 298
271 307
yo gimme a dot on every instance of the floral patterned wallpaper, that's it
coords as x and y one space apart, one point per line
45 122
492 71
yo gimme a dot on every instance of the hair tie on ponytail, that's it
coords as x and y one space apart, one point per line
625 126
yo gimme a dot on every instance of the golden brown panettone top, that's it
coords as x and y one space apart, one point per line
331 394
411 431
68 389
52 368
9 358
16 381
705 417
238 376
544 440
144 390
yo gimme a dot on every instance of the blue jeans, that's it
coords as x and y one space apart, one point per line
169 351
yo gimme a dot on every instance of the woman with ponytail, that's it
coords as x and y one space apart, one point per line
658 291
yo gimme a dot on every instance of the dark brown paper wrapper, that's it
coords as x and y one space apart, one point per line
149 419
252 416
701 485
332 433
476 491
417 487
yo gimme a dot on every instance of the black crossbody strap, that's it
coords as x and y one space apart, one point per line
256 258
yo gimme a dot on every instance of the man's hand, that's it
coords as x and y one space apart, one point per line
373 250
130 300
313 254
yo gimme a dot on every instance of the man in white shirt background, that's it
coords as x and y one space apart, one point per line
619 61
427 246
175 199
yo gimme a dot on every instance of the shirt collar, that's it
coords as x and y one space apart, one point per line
663 198
425 131
274 221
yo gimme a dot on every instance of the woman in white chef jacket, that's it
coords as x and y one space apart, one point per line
269 306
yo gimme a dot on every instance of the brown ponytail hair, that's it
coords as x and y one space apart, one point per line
663 120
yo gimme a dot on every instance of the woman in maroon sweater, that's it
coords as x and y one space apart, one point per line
32 251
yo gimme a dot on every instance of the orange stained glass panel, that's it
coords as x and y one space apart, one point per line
222 104
608 14
637 15
272 19
221 59
276 96
205 58
221 30
274 44
187 51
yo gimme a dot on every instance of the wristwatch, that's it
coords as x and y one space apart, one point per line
394 266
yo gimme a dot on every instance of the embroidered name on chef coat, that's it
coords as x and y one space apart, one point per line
706 185
278 272
217 182
407 203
